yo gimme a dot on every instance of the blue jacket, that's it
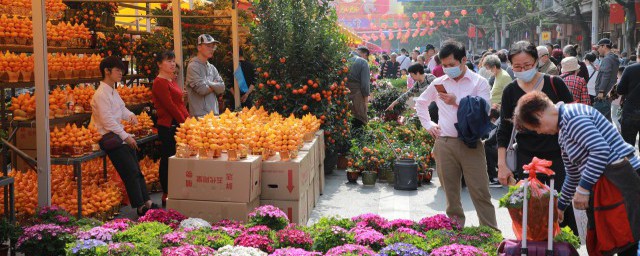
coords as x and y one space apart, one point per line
473 120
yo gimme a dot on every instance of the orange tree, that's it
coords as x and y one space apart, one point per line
302 64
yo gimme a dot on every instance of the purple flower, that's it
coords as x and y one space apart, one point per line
410 232
293 252
174 238
168 217
372 220
48 209
368 236
89 244
401 223
188 250
268 211
402 249
439 221
40 232
350 248
457 250
99 233
261 242
118 224
291 237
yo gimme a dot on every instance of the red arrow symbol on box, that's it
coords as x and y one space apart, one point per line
290 186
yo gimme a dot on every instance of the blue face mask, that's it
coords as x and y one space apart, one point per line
453 72
526 76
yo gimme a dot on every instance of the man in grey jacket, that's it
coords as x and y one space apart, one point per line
606 78
203 80
358 85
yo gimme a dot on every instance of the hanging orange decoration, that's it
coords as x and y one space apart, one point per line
431 23
456 21
399 34
463 12
414 15
391 36
407 24
447 13
480 11
418 24
432 14
395 25
443 22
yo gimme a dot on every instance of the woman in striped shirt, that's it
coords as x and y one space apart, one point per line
591 148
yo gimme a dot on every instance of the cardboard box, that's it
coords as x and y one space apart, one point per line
311 203
296 210
213 211
286 180
316 191
21 165
215 179
26 138
312 150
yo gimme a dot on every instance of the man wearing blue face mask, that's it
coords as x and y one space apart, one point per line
453 158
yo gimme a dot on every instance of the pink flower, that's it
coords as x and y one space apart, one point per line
372 220
170 217
439 221
294 238
118 224
261 242
458 250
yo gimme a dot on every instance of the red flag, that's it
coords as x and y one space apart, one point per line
616 14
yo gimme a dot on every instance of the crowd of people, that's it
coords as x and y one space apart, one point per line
579 109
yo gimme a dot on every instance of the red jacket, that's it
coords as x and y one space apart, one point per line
167 99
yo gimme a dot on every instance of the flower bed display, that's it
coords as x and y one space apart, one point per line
174 234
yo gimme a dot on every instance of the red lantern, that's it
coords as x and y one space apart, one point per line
432 14
395 25
463 12
383 37
399 34
407 24
443 22
418 24
447 13
390 36
383 25
480 11
456 21
414 15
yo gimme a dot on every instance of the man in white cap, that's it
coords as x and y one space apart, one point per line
203 80
545 65
577 85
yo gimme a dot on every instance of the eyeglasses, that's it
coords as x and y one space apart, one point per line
526 66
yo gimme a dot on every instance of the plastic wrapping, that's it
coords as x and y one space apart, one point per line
538 204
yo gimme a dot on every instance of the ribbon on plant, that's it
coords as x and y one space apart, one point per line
242 83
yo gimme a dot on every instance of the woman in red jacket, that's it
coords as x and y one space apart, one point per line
171 111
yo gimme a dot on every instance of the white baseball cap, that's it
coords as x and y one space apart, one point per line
206 39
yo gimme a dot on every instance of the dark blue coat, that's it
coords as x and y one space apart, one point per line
473 120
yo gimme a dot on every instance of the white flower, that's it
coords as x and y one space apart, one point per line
194 223
229 250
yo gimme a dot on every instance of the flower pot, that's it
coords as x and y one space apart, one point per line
4 250
406 171
391 177
352 176
428 175
343 162
369 178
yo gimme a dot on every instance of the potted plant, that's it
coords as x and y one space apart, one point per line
369 178
352 176
383 97
7 231
44 239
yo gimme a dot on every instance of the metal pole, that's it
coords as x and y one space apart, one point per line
236 49
177 40
148 7
503 38
42 101
496 36
595 9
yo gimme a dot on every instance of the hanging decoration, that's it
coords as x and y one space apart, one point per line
414 16
395 25
463 12
399 34
456 21
480 11
407 24
432 15
383 37
431 23
391 36
443 22
447 13
383 25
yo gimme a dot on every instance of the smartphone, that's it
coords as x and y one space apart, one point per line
440 88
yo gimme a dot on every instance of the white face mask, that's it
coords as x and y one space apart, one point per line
526 76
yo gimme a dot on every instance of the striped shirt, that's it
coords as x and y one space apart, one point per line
589 143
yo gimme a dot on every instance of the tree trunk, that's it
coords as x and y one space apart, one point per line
586 30
630 32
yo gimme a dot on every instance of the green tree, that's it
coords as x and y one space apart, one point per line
630 24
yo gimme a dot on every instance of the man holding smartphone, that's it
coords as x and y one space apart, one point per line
204 82
454 159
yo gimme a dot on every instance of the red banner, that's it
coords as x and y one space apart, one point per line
616 14
471 32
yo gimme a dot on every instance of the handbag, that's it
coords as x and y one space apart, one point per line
110 141
512 151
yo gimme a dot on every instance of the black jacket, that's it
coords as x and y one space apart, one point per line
473 120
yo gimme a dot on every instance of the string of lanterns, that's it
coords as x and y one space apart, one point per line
425 19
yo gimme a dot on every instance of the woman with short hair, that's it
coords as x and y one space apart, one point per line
602 170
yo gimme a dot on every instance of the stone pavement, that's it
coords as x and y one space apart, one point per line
349 200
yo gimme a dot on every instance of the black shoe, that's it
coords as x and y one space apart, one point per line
494 184
142 210
154 206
